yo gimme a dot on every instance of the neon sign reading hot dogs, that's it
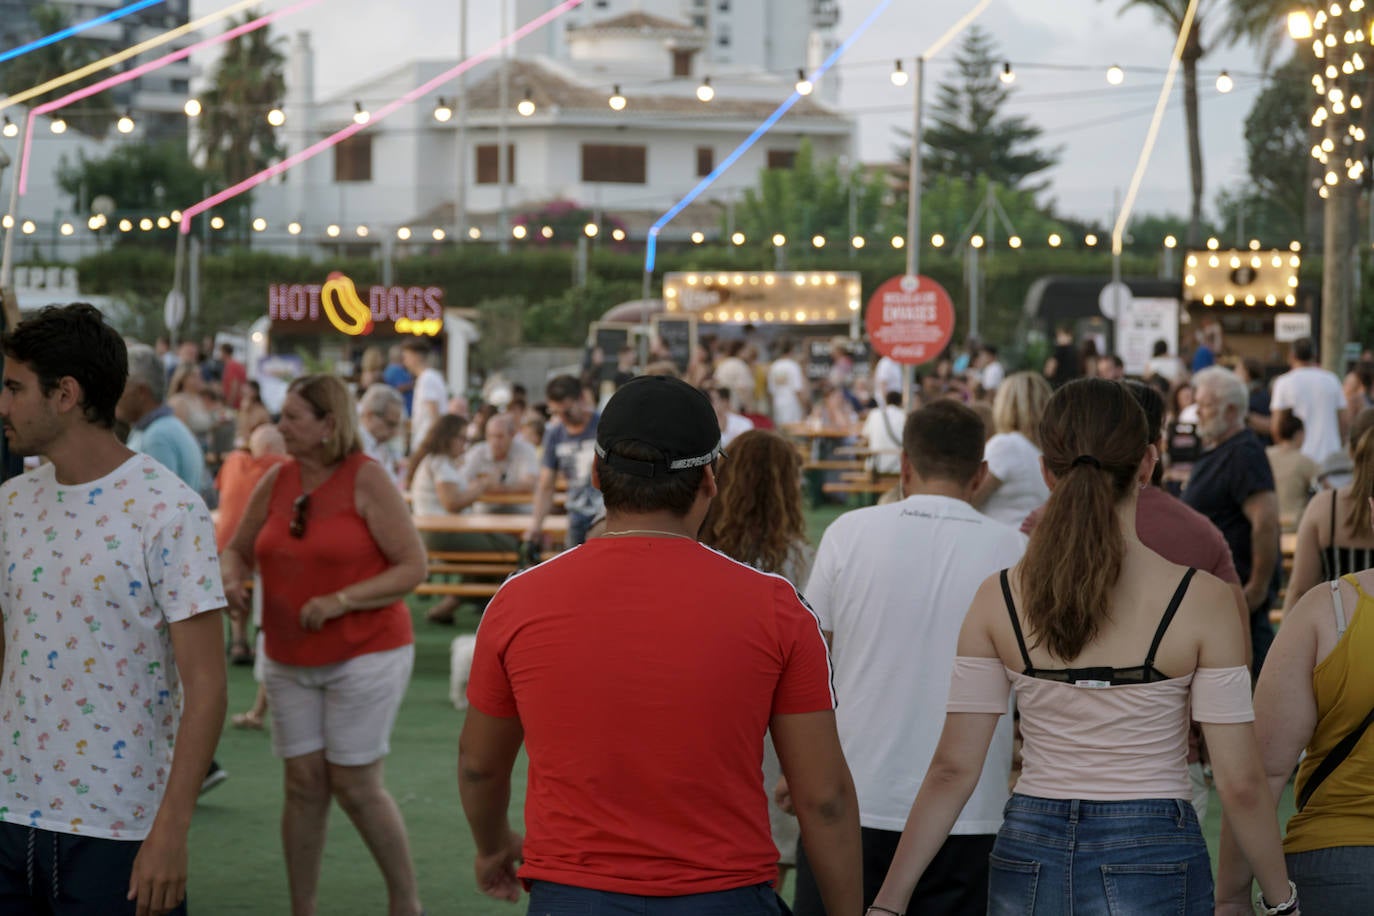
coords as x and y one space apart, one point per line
417 310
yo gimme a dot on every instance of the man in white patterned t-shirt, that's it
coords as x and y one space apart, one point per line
112 644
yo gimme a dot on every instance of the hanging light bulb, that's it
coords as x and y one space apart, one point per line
804 85
1299 26
474 233
216 222
1170 241
360 114
519 232
10 129
58 126
192 108
704 92
443 111
858 241
526 107
1014 241
618 234
293 227
1090 240
1224 82
817 241
937 241
259 225
779 240
332 230
899 76
1055 240
125 124
438 235
737 239
276 117
1115 75
1008 75
698 237
591 230
617 100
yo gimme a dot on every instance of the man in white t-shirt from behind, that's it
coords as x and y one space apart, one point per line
731 423
891 585
430 398
787 386
883 433
1315 397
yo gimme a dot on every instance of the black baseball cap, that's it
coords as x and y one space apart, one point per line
664 414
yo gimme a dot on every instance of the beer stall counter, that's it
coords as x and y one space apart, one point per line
818 309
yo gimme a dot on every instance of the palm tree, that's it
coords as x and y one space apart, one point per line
235 137
1215 23
95 114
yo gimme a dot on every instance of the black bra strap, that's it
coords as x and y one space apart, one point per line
1015 623
1166 620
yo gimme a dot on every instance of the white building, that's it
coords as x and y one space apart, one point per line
565 140
773 35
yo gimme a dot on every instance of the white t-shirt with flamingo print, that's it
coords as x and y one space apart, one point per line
90 578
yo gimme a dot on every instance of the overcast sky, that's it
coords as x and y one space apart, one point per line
1101 128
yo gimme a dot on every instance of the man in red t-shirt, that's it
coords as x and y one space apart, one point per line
641 671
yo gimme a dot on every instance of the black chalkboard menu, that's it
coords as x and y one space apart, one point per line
609 338
818 358
679 337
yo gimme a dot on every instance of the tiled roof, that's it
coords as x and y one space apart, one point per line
637 22
548 88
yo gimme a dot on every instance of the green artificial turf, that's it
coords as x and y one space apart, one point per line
236 860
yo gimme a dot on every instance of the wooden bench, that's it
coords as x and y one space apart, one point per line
461 589
833 465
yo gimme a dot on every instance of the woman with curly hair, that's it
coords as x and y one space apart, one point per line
757 519
757 516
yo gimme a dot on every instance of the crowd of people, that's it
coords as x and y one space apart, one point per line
1010 686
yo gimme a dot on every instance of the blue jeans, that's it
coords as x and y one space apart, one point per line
1335 880
1084 858
549 899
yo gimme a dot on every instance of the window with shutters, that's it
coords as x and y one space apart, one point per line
614 164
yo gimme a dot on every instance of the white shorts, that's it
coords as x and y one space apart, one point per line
346 709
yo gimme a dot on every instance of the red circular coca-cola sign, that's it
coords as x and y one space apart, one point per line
910 319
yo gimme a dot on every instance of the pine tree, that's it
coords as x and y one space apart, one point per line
968 135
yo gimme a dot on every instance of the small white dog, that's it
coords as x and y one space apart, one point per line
460 666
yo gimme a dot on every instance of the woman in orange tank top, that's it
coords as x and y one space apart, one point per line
332 539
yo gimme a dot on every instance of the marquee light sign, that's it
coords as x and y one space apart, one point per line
416 310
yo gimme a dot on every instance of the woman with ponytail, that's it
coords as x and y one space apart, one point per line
1100 819
1334 535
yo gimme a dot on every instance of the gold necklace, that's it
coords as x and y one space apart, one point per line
649 531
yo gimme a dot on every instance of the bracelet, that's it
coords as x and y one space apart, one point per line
1289 906
881 909
343 600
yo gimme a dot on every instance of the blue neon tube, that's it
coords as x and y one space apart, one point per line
71 30
651 248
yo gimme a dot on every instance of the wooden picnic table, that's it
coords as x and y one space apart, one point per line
481 571
555 526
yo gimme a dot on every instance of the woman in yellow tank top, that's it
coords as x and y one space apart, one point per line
1316 688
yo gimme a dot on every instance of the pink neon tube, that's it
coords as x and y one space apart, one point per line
140 70
389 108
